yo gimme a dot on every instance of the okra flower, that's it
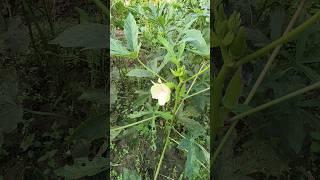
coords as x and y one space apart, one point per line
161 92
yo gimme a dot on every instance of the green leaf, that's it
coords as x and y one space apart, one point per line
87 35
169 47
83 167
11 113
84 16
257 37
165 115
259 156
117 50
311 58
27 142
139 73
141 100
309 72
139 114
234 21
95 96
91 129
301 46
315 147
276 22
131 33
114 134
291 129
310 103
192 167
130 175
194 127
16 38
181 49
47 155
227 40
315 135
234 90
196 40
239 46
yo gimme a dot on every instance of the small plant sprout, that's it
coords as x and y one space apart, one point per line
161 92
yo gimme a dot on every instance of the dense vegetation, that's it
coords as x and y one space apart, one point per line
232 90
265 122
160 47
53 98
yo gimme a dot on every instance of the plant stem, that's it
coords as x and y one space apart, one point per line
175 110
151 71
199 73
45 113
199 92
194 80
273 55
237 118
132 124
216 98
277 101
279 41
162 154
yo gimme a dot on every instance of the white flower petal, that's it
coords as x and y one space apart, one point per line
161 92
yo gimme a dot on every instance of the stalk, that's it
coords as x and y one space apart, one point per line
151 71
285 38
176 108
281 40
169 131
238 117
216 97
132 124
273 55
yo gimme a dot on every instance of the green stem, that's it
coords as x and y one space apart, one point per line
199 92
199 73
133 124
169 126
151 71
216 97
237 118
194 80
45 113
175 111
177 96
274 54
162 154
279 41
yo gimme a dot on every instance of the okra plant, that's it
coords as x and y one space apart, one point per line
168 43
229 37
